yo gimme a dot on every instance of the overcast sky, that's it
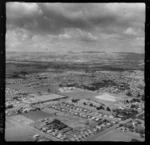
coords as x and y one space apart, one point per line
62 27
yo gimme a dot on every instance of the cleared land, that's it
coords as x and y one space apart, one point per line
18 132
81 94
36 115
74 122
107 97
115 135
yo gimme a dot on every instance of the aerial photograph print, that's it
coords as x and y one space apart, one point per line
75 72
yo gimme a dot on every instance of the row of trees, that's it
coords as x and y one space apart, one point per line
19 74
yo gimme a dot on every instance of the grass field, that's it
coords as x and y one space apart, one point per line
107 97
74 122
35 115
116 135
18 132
9 124
81 94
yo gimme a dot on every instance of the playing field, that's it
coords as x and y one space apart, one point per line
107 97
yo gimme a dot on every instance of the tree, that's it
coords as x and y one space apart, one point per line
23 73
128 93
98 108
84 103
129 125
39 93
91 104
140 129
108 109
15 75
74 100
135 140
142 97
132 106
120 125
101 107
49 90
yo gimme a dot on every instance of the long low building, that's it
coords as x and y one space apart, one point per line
46 98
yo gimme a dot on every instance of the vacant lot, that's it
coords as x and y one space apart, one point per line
9 124
81 94
115 135
107 97
74 122
35 115
18 132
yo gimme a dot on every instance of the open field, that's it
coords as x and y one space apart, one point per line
81 94
41 88
37 115
72 121
89 95
115 135
22 119
9 124
106 97
18 132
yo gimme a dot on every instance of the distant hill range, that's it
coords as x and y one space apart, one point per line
92 58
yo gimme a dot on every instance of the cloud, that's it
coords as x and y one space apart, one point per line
130 31
81 35
92 25
55 17
18 9
64 36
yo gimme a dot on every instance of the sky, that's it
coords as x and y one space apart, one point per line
75 27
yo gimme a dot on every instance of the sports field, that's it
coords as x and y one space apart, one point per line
107 97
